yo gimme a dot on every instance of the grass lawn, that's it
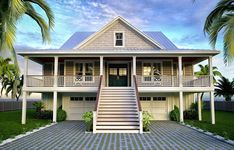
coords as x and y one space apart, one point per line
10 123
224 123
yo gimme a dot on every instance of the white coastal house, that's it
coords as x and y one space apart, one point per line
118 72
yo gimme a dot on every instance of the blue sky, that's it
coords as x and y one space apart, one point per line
181 21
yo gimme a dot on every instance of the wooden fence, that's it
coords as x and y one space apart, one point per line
221 105
8 105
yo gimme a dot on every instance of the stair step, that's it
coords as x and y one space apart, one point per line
117 127
117 113
119 106
119 95
118 123
117 110
117 116
119 102
116 131
117 119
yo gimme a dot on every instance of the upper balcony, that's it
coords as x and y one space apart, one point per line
143 82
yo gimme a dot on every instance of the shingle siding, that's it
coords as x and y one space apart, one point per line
106 39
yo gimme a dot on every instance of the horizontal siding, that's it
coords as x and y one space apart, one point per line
69 68
48 69
188 69
167 70
139 68
96 68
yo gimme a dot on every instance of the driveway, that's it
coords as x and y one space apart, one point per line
164 135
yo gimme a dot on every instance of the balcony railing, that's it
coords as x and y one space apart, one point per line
173 81
40 81
62 81
78 81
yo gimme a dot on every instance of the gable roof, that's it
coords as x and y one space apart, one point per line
78 37
117 19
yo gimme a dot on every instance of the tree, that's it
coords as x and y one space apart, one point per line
13 86
6 68
11 11
225 88
204 70
222 18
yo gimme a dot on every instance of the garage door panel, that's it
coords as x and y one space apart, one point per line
158 109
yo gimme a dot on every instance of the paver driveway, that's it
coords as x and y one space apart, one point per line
164 135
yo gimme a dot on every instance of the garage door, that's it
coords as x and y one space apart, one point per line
157 106
76 107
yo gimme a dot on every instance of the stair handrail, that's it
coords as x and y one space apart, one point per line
98 93
137 93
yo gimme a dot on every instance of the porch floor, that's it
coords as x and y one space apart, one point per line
71 135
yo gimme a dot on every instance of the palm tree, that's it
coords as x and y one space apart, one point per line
13 86
222 18
11 11
225 88
6 68
204 70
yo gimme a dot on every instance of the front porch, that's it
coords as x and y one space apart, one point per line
142 74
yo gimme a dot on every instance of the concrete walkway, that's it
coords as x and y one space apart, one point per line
164 135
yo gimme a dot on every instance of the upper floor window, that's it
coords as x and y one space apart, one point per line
119 39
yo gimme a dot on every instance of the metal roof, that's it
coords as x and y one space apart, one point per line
78 37
140 52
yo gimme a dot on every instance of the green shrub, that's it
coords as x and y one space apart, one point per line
175 114
191 114
39 106
45 114
61 115
194 106
88 119
146 120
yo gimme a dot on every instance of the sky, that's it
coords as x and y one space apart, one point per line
180 20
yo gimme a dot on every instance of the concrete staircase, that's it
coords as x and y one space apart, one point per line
117 111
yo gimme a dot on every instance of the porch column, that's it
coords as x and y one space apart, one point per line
181 107
101 65
24 101
55 106
212 107
134 65
55 71
180 72
199 106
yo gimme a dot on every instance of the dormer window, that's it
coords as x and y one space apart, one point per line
119 39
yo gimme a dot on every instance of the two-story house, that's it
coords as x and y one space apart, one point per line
118 72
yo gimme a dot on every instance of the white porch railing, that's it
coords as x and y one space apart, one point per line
194 81
40 81
157 81
173 81
62 81
78 81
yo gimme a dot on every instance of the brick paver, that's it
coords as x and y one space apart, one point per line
163 135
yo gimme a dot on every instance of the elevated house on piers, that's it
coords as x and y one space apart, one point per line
118 72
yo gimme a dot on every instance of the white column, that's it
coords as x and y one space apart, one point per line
24 101
101 65
55 71
141 122
94 121
24 106
212 107
134 65
211 71
55 106
199 106
180 72
181 107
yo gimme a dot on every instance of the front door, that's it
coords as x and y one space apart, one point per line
118 75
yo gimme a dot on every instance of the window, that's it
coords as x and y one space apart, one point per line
76 98
84 71
159 98
145 98
119 39
151 71
90 98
